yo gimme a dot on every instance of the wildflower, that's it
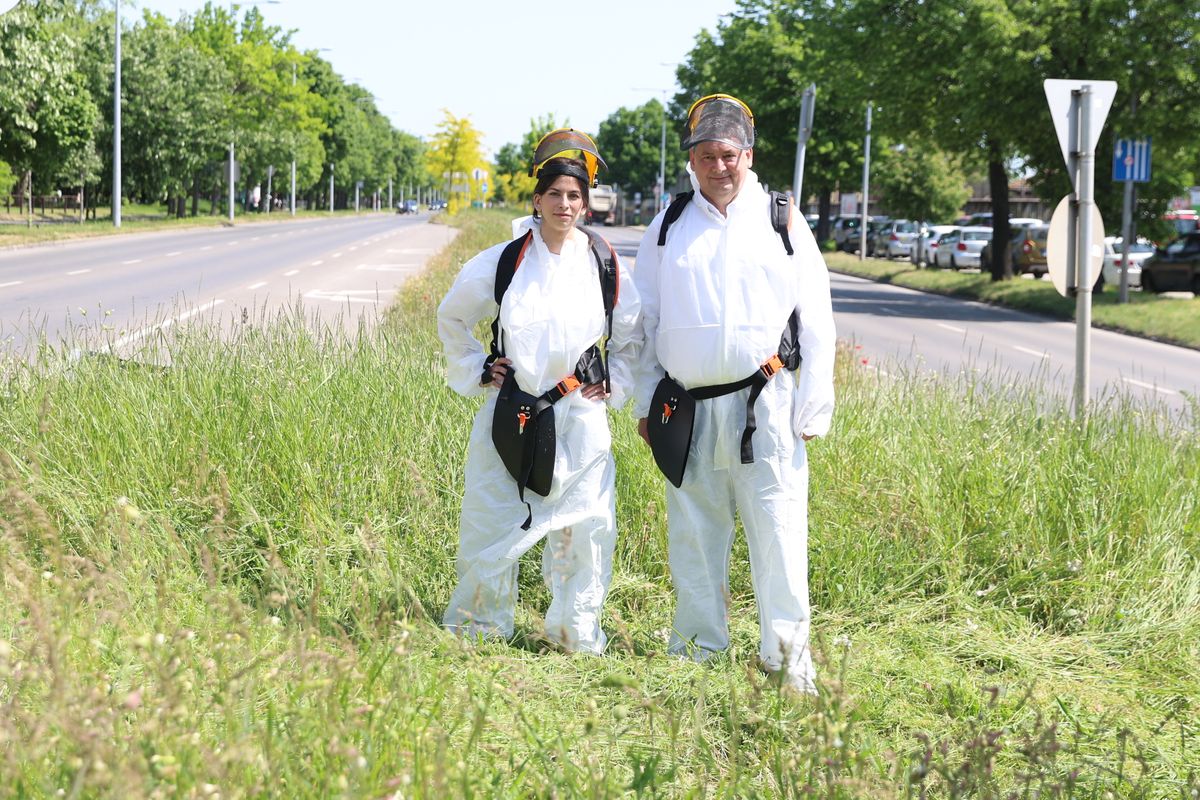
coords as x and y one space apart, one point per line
663 634
842 641
1074 565
972 626
133 700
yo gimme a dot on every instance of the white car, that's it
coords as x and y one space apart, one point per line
933 235
960 248
1138 252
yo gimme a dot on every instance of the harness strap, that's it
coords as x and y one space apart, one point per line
756 382
543 404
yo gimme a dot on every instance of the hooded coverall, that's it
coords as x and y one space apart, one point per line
715 299
551 313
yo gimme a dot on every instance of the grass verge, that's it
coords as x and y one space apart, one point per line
1166 319
224 578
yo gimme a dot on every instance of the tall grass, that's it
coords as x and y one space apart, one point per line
223 578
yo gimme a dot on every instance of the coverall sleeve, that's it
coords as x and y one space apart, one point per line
813 410
625 345
469 300
645 277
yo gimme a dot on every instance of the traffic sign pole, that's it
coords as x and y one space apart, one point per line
1083 287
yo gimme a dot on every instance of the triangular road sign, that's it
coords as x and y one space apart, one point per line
1058 94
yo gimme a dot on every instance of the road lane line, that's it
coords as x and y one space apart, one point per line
1030 351
10 283
336 255
162 326
78 271
886 310
132 261
291 272
258 285
316 263
207 247
954 328
175 253
1144 385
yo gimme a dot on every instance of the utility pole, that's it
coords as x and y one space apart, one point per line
292 204
331 165
231 177
116 190
862 248
803 133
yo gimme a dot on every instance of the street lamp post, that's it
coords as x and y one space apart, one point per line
662 152
331 164
116 190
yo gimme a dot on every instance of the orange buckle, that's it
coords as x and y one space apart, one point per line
667 411
773 364
522 418
568 385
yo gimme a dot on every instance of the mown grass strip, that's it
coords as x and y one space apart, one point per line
225 577
1166 319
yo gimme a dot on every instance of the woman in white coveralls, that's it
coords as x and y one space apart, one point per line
552 312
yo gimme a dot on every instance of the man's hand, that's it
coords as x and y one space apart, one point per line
644 430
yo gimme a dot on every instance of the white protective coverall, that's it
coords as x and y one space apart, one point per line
552 312
714 303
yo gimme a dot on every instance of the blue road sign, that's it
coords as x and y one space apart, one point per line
1131 160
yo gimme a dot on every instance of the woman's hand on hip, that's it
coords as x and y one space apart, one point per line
498 371
595 391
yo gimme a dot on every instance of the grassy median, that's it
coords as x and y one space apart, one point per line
224 578
1168 319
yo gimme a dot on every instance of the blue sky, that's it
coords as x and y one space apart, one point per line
502 63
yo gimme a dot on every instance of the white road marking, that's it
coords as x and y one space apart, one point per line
162 326
316 263
258 285
954 328
413 251
231 244
352 249
1030 351
386 267
10 283
207 247
255 238
78 271
273 235
886 310
349 295
1144 385
336 255
132 261
175 253
291 272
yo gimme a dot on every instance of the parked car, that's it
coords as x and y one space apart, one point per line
1139 251
1174 268
933 237
874 226
895 239
1029 250
845 233
962 247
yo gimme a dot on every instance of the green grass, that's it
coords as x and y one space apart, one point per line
1165 318
54 227
225 577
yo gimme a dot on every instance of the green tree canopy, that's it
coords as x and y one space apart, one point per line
630 139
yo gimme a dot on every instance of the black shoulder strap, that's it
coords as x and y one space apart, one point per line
781 212
510 258
610 286
673 212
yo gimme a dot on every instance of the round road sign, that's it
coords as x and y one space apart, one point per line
1056 245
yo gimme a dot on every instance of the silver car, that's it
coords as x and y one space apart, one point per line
1139 251
896 238
960 249
933 236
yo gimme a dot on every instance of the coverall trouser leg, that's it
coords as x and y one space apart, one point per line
771 496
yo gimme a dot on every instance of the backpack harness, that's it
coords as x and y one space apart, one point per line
529 456
788 354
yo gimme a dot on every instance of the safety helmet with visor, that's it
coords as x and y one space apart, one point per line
551 155
720 118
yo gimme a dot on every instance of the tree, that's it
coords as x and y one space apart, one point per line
455 152
764 53
630 140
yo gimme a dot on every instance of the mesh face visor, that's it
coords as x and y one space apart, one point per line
720 118
566 143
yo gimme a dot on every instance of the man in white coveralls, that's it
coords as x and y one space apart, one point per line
732 272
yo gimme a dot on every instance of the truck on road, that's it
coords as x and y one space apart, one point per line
602 205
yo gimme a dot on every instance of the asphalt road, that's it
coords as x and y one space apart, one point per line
114 292
899 330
